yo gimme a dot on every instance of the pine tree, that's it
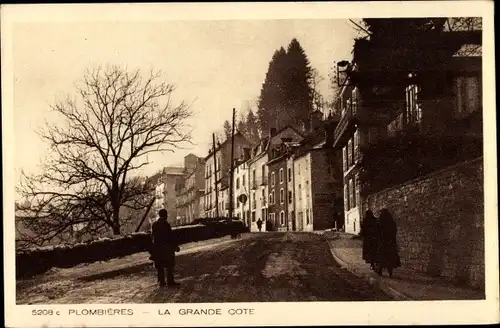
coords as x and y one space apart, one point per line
252 130
271 100
298 91
287 95
227 129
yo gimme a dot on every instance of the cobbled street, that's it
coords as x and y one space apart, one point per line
258 267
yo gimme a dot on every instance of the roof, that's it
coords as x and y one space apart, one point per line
173 170
210 152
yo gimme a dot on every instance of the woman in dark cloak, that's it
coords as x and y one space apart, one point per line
370 238
387 251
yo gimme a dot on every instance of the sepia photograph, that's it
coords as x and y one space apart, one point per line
195 163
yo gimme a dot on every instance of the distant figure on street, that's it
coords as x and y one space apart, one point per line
369 233
259 224
163 249
387 251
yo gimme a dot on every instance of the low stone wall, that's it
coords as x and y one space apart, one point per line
35 261
440 220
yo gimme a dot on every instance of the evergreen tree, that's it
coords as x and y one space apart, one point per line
252 130
286 96
271 100
298 91
228 129
241 125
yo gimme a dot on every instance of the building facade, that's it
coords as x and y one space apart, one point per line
258 185
166 183
281 189
191 190
440 100
278 192
318 188
241 185
217 174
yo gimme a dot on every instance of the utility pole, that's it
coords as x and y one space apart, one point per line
215 179
231 172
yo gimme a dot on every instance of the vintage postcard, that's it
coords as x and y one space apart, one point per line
249 164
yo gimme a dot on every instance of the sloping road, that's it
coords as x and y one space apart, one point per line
257 268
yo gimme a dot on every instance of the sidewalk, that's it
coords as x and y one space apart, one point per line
403 285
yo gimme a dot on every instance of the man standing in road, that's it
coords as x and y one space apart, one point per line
163 249
259 224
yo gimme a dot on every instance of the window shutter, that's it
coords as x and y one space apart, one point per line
346 197
344 159
356 146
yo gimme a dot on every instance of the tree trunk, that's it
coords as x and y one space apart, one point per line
116 225
115 205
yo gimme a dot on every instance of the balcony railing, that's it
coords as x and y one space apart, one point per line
349 115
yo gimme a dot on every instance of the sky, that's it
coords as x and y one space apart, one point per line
215 64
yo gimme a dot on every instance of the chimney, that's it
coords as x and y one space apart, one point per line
246 154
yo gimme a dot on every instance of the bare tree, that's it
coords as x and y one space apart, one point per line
116 120
318 99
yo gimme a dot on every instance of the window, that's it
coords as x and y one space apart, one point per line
344 157
272 179
254 177
413 108
308 218
353 155
282 196
351 199
354 104
243 181
237 183
253 216
264 178
300 192
282 176
289 175
349 156
356 145
273 197
290 196
263 196
346 197
354 202
307 189
282 218
272 217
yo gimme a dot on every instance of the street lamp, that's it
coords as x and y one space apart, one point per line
345 65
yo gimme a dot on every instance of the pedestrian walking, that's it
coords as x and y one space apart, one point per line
369 234
387 251
259 224
164 246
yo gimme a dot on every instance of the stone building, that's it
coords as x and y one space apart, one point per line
166 183
217 174
191 190
435 105
241 193
281 191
